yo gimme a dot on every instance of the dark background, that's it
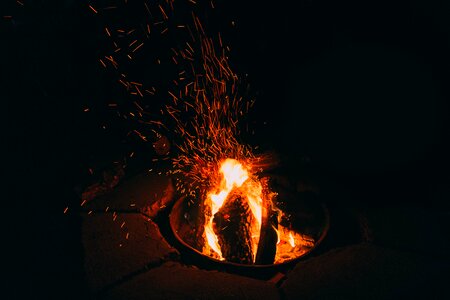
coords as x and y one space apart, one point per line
357 93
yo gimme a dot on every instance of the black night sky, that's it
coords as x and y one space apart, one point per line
354 92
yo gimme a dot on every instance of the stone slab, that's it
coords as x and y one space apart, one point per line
408 228
134 194
366 272
175 281
116 245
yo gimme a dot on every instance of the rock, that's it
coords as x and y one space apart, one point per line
133 194
162 145
175 281
160 203
366 272
408 228
118 245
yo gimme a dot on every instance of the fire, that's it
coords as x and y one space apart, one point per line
204 112
291 240
233 174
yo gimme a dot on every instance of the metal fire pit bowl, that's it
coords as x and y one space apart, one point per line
308 216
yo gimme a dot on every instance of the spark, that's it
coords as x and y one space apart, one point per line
204 107
139 91
148 10
139 46
174 97
103 64
163 12
93 9
132 43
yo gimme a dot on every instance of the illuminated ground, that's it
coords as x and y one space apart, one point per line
365 256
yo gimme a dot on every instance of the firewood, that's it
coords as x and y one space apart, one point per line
267 245
232 227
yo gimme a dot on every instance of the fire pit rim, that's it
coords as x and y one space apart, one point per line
323 233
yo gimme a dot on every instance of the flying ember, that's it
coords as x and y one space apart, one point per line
201 110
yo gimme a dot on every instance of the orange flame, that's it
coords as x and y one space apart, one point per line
235 175
291 239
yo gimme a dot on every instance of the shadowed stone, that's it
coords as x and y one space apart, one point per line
366 272
411 229
118 245
174 281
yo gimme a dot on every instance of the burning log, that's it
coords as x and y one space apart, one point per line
232 227
267 245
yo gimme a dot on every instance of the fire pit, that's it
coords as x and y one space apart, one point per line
223 235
